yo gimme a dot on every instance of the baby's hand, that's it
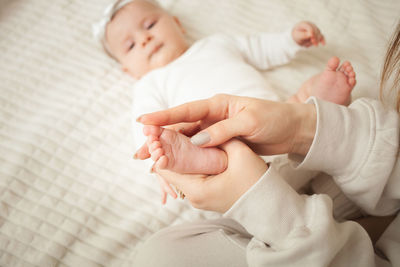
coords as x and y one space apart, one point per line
307 34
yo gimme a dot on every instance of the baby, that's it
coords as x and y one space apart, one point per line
150 45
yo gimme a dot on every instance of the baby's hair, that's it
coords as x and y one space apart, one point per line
391 66
99 28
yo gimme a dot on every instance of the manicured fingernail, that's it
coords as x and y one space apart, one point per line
200 139
139 119
135 156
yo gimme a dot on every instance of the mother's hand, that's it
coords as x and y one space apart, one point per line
220 192
268 127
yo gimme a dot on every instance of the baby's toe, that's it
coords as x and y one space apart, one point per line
154 145
333 63
352 81
152 130
350 71
151 139
162 162
346 64
157 154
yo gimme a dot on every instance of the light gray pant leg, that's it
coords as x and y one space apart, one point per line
212 243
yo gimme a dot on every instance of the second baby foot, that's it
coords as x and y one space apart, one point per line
174 151
334 84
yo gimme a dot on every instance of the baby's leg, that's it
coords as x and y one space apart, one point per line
334 84
174 151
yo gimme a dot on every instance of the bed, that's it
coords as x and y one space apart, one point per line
70 192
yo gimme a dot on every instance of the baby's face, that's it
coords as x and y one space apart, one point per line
144 37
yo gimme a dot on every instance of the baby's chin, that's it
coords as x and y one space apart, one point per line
163 58
159 60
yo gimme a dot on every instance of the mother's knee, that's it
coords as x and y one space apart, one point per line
190 245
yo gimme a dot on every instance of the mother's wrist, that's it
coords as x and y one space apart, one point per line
306 126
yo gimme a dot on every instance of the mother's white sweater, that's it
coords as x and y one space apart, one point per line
359 147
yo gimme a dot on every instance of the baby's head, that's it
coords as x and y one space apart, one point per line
142 37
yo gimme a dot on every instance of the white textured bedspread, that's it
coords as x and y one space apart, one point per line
70 192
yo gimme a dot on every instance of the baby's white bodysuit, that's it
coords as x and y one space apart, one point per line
213 65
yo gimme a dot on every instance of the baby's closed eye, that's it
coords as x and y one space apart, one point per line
151 25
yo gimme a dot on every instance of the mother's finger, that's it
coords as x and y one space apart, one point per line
241 125
184 182
188 112
165 189
192 185
186 128
214 108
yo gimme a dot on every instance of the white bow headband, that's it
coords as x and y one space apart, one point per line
99 28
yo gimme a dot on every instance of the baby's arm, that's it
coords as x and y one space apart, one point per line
267 50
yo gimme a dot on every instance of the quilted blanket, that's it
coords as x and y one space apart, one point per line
70 192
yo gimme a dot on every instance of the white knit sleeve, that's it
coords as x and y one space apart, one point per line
359 147
267 50
297 230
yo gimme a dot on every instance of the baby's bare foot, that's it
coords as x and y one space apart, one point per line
174 151
334 84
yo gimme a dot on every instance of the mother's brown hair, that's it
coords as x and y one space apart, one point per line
391 66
